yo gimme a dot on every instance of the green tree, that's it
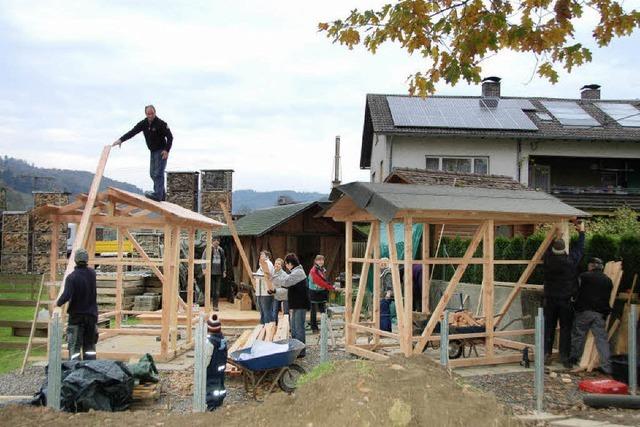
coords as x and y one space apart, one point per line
454 36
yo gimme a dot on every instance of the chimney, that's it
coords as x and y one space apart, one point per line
336 164
590 92
491 87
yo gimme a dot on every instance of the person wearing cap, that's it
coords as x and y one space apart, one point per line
592 308
80 292
560 285
217 347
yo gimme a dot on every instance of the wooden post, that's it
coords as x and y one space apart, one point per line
91 245
362 285
118 319
397 286
487 284
190 284
236 239
207 276
375 228
175 286
408 286
426 273
349 334
451 287
53 261
166 292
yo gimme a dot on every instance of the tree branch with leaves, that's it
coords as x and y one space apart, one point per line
454 37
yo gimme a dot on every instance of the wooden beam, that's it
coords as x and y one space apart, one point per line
408 286
482 361
375 226
524 277
375 331
236 239
144 255
175 287
82 230
487 284
207 276
516 345
118 319
368 354
362 285
190 283
166 290
349 337
397 286
444 300
426 282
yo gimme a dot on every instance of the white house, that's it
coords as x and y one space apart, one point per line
585 151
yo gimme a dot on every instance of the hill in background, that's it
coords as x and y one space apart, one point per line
20 178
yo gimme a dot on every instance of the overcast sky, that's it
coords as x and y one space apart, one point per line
247 85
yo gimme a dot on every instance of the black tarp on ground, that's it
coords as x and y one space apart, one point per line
102 385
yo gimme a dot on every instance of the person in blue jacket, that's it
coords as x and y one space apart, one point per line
217 343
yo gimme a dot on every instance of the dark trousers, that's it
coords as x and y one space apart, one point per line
156 171
558 310
82 336
318 300
216 284
385 315
216 391
296 324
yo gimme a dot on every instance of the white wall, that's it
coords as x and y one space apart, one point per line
410 152
380 150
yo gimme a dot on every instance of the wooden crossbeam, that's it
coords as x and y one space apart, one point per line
408 286
524 277
236 239
397 286
143 254
364 273
453 283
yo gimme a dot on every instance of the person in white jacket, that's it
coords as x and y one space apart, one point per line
264 295
280 297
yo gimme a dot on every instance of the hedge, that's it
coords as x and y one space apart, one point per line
605 246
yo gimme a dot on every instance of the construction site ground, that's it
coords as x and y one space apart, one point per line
347 390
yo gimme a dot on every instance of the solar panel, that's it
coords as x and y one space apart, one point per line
625 114
569 113
544 117
459 113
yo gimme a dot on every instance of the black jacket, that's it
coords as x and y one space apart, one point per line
80 292
298 291
157 134
594 291
561 271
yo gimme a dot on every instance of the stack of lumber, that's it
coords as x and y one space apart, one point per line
132 285
268 332
590 359
150 301
464 318
147 391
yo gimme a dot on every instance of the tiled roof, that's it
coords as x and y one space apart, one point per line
262 221
423 176
378 119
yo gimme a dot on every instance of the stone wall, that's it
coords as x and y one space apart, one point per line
15 242
182 189
217 186
41 231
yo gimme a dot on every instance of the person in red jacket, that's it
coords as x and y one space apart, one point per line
319 288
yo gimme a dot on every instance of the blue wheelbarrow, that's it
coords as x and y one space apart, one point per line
270 369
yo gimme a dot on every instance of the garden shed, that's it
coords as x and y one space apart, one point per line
381 205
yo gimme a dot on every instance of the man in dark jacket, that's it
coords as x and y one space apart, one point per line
560 284
592 308
159 140
298 297
80 293
218 271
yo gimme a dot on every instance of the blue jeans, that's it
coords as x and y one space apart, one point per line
297 317
265 304
156 171
385 315
276 308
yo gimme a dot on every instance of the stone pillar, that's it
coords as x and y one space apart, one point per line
217 186
182 189
15 242
41 231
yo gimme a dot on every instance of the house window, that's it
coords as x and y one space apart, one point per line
478 165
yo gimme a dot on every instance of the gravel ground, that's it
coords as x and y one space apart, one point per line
14 384
561 395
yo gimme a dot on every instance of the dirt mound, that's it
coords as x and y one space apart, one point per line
399 392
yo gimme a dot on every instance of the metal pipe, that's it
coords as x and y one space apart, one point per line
324 336
199 368
54 371
633 349
444 339
539 362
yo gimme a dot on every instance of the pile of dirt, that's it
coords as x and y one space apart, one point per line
398 392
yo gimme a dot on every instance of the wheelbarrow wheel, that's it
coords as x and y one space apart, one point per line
289 379
455 349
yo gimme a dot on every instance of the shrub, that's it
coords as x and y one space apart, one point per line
501 272
629 251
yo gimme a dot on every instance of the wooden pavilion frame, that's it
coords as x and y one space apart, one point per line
346 209
125 211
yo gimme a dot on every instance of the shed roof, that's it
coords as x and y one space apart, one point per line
458 179
262 221
144 208
384 201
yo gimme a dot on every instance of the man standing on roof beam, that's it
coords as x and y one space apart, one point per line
159 140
